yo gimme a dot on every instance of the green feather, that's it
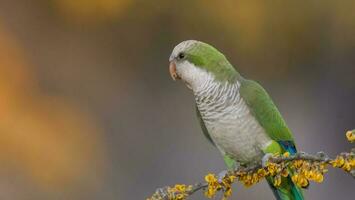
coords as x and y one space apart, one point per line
287 190
265 111
209 58
267 114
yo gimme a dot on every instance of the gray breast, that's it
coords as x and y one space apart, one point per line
232 127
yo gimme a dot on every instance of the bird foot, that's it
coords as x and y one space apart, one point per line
266 159
221 175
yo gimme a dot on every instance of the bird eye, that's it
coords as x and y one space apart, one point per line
181 56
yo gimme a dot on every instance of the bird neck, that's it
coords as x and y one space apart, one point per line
216 94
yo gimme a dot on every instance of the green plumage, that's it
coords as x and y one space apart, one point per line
206 56
271 120
265 111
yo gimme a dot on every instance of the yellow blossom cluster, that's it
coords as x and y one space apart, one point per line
346 162
275 170
350 135
214 185
305 171
178 192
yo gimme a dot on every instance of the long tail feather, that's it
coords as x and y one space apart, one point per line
287 191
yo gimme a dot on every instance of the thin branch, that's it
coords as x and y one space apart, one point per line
306 167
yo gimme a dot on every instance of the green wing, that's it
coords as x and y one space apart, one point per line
265 111
271 120
203 127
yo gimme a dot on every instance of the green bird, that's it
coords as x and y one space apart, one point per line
236 114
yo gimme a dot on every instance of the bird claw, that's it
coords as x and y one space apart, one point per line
266 159
221 175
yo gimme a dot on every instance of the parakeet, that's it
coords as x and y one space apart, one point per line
236 114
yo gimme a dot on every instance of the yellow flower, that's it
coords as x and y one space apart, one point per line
352 162
232 178
180 197
210 178
284 172
322 166
249 179
210 193
180 187
272 168
227 193
277 181
303 182
213 185
350 135
346 166
261 173
294 178
297 163
309 174
338 162
240 173
318 178
286 154
227 181
299 180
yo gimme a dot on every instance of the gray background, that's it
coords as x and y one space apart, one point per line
111 63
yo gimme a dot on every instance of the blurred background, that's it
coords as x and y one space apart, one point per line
88 109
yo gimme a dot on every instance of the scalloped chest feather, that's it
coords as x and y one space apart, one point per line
230 123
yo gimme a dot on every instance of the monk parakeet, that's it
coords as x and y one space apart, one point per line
236 114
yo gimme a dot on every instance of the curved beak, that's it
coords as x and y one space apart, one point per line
172 70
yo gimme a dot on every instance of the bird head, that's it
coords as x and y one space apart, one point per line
193 61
